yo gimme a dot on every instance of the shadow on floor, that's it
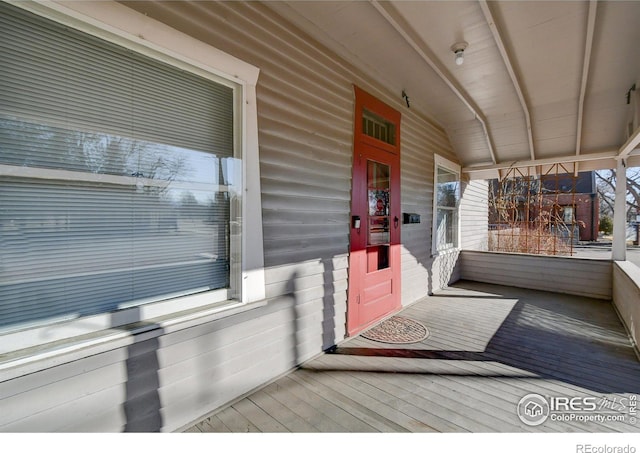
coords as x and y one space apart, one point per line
576 340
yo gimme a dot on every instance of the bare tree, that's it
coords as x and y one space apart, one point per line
525 217
606 183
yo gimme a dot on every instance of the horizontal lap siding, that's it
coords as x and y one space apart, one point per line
305 121
48 403
445 270
590 278
626 297
421 273
203 373
474 215
305 103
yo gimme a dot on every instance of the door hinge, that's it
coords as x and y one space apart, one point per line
358 299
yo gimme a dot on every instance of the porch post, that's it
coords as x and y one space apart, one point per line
619 252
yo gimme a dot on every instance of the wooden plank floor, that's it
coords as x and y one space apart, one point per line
488 346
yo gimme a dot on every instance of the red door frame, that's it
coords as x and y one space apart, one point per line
373 295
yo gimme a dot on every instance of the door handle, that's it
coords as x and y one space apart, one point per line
395 221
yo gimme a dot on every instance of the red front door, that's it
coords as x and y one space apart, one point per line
374 261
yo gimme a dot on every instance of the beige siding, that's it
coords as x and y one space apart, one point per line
474 215
583 277
421 273
167 380
445 270
50 400
626 297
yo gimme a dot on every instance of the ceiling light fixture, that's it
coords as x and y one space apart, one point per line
458 49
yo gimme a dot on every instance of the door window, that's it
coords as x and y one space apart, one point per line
378 238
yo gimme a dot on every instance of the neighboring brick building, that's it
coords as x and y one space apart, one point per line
572 200
580 206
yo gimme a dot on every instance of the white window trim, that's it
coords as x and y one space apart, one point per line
121 25
440 161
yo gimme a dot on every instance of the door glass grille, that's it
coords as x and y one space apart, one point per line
377 127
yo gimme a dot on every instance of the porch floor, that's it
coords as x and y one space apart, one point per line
488 347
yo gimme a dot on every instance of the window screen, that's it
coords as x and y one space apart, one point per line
118 179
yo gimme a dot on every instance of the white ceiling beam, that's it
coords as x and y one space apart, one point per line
630 145
586 61
588 45
427 56
607 154
484 6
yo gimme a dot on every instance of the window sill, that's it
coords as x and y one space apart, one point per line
37 358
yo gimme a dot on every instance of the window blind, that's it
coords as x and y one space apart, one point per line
115 187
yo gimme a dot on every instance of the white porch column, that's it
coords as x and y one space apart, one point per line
619 252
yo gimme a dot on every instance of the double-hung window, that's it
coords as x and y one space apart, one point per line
121 178
446 205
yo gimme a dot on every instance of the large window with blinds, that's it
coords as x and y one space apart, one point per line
120 177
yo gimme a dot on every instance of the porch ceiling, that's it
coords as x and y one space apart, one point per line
541 81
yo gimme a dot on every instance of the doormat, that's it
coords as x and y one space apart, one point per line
397 330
